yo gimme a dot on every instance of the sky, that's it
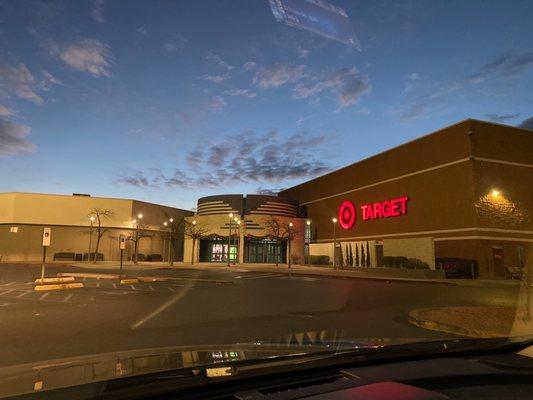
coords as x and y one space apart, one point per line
169 101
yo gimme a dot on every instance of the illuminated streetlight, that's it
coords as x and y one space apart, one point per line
194 222
139 217
91 221
334 220
229 237
308 240
495 193
165 223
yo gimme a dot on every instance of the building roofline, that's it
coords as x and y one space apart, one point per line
464 121
93 197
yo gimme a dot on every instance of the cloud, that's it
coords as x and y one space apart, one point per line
178 43
302 53
216 103
4 111
268 191
48 81
248 157
20 80
142 30
278 74
247 66
135 178
98 11
347 84
527 124
507 65
216 60
241 93
216 78
501 117
13 139
89 55
409 113
445 90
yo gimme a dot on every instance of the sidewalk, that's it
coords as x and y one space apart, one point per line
326 271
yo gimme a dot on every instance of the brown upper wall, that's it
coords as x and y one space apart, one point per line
460 141
441 147
502 142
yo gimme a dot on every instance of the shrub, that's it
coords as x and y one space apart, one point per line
404 262
394 261
65 256
415 263
154 257
319 260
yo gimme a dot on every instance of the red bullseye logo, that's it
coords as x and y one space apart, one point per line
347 215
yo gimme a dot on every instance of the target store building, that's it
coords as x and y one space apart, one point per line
459 199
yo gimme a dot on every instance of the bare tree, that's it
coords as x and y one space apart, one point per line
274 229
195 231
100 215
280 231
288 233
140 232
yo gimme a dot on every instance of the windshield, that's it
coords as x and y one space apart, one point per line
197 182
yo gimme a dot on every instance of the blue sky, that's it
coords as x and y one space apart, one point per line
167 101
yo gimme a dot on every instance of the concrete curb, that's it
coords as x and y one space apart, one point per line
415 318
87 275
63 286
326 273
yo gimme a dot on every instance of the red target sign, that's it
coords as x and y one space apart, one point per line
347 215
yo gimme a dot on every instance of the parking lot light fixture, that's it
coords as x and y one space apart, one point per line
334 220
91 221
194 222
140 216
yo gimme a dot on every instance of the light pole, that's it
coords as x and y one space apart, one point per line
171 234
290 239
237 225
91 219
308 240
139 217
229 236
334 220
193 242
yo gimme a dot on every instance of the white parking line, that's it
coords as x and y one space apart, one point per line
170 288
7 291
151 288
132 287
8 284
97 284
68 297
22 294
44 296
114 285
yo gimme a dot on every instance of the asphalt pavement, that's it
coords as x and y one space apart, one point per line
188 307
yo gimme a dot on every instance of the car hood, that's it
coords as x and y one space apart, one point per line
65 372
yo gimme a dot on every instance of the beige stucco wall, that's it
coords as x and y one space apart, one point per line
67 217
326 249
421 248
36 208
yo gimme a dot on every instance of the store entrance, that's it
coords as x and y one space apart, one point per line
264 251
216 250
